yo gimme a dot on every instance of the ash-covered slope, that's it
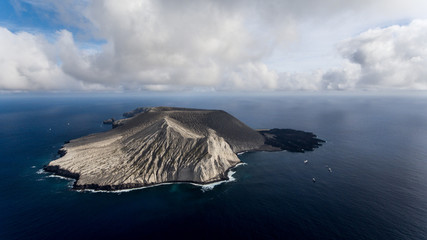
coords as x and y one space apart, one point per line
237 134
159 145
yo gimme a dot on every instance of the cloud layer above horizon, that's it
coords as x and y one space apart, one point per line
217 46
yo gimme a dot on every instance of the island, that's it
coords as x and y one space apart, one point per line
168 144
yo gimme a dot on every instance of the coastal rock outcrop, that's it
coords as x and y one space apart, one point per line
159 145
291 140
108 121
135 112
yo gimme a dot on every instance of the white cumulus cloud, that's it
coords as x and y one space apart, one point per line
28 63
219 45
394 57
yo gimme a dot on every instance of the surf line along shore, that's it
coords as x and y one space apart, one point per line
166 145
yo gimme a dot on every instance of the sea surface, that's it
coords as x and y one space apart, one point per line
376 148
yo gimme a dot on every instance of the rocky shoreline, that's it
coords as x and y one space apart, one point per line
95 187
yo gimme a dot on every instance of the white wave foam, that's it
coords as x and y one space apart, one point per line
60 177
125 190
41 171
33 166
204 187
210 186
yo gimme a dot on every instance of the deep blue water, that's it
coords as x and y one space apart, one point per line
376 147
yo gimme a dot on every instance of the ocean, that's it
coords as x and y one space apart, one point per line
376 147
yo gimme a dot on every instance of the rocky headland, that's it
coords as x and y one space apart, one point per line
165 144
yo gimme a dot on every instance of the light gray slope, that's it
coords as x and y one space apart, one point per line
236 133
160 145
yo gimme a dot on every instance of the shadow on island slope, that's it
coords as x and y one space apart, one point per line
164 144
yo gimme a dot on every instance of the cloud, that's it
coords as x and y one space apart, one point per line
153 45
187 44
26 63
29 62
219 45
394 57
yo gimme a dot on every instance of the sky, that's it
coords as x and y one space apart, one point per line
212 46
